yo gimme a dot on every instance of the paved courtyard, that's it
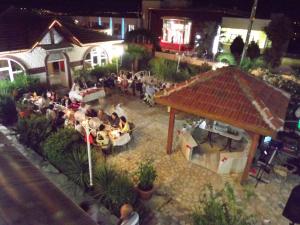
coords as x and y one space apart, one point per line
179 181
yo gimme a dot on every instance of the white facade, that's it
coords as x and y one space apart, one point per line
233 27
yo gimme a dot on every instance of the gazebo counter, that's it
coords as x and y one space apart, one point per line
214 158
231 96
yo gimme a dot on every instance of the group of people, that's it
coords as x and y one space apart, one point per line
141 84
62 113
110 127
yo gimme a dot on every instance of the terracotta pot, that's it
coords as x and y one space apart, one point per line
145 195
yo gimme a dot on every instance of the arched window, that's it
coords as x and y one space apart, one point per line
9 68
96 56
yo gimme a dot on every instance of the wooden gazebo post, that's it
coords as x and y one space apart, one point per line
251 154
171 130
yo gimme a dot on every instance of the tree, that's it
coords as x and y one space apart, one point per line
135 53
253 51
205 38
237 47
279 31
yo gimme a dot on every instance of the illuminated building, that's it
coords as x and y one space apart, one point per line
233 27
50 49
176 33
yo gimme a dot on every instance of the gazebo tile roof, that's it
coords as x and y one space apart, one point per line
232 96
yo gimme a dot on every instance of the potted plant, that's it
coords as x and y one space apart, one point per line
146 176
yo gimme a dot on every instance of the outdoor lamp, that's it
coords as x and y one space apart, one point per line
88 124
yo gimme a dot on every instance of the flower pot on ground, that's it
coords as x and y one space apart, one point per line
146 176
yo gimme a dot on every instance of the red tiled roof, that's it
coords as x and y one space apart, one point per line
231 96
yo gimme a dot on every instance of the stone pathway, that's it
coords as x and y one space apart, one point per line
180 182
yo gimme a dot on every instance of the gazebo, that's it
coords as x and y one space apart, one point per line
231 96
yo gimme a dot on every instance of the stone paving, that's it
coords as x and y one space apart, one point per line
180 182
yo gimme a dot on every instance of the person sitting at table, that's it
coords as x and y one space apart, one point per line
124 125
53 97
51 114
84 107
42 102
103 116
60 119
69 120
102 137
27 97
65 101
114 120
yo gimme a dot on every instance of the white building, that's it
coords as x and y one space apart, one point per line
232 27
48 48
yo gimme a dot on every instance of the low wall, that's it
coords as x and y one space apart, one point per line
187 59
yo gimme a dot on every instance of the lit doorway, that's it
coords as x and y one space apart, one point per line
57 70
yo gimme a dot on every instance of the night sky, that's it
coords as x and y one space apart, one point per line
290 8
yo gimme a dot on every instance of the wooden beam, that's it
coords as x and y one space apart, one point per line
251 154
171 130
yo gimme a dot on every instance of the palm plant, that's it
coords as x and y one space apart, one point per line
76 166
135 53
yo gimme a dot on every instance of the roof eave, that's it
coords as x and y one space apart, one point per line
258 130
101 42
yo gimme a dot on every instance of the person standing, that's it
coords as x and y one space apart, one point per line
133 85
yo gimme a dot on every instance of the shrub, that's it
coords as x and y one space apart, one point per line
8 111
103 71
104 176
146 175
237 46
249 64
58 144
134 53
163 69
253 51
113 189
76 165
221 208
227 58
33 131
194 70
21 84
120 191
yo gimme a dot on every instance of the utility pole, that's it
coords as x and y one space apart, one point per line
251 20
